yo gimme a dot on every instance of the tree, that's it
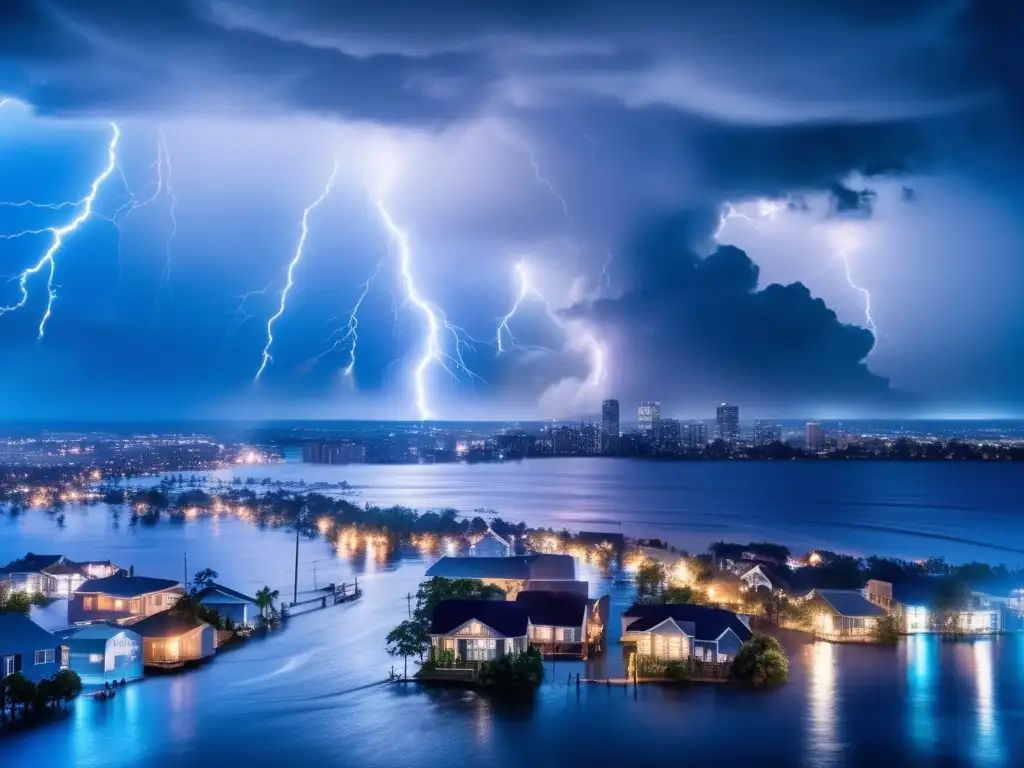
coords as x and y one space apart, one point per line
951 596
19 691
677 595
67 684
650 577
761 661
203 579
17 602
888 629
434 590
513 672
265 600
408 639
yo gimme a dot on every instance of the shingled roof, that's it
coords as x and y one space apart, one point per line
507 618
167 624
127 586
30 563
554 609
521 568
849 602
709 623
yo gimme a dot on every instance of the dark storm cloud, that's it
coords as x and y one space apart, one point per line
845 202
699 330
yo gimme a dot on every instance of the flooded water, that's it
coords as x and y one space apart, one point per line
313 694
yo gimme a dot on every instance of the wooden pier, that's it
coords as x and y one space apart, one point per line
332 594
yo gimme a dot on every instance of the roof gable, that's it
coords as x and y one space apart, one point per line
211 593
505 618
709 623
849 602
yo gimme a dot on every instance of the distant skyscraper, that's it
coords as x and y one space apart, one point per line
609 425
697 434
765 432
670 436
813 435
648 419
728 422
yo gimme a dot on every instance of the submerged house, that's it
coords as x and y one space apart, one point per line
28 648
104 653
922 608
844 614
479 630
122 598
490 545
511 574
560 622
685 632
170 640
52 575
230 605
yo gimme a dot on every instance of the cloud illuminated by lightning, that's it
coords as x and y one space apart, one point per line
290 280
434 318
578 334
348 334
58 235
766 209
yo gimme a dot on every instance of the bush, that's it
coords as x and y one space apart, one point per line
513 672
678 669
888 629
761 661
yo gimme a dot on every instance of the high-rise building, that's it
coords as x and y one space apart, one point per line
765 432
609 425
728 422
697 434
814 436
648 419
590 437
670 436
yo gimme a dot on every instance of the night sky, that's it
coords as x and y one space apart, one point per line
804 207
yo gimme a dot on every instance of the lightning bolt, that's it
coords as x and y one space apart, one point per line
766 209
348 334
290 281
165 275
845 245
545 182
434 319
134 203
526 289
604 280
58 236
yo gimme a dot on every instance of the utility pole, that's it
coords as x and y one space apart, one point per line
295 588
408 603
185 582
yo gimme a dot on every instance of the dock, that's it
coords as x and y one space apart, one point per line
317 599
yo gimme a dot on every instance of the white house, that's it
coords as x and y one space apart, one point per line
684 631
229 604
479 630
490 545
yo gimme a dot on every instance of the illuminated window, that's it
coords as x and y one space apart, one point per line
95 658
87 603
567 636
136 606
542 633
119 605
476 629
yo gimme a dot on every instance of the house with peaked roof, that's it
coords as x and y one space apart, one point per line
490 545
28 574
122 598
28 648
229 604
104 653
479 630
844 614
510 574
559 622
170 640
761 575
684 632
921 608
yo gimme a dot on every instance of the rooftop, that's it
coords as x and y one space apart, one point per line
554 609
550 567
18 632
30 563
709 623
214 589
505 617
167 624
849 602
127 586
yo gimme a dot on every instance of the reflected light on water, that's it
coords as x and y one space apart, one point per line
921 671
483 720
823 747
989 749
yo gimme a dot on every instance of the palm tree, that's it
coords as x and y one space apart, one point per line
265 600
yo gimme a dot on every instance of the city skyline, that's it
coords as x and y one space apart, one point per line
425 229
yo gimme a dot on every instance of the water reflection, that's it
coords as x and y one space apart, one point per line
921 674
989 746
823 747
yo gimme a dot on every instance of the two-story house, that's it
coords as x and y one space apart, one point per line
122 598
